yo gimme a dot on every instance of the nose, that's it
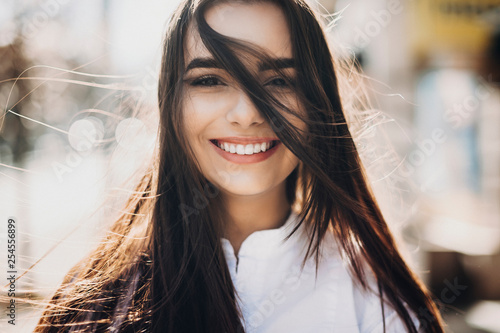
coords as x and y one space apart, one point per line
243 112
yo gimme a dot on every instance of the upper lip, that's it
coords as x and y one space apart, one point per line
244 140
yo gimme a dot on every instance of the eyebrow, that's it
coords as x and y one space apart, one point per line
203 63
279 63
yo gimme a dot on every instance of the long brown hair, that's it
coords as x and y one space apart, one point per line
162 268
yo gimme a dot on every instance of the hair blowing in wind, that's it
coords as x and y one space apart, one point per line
161 268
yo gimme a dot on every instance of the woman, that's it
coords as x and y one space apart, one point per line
254 148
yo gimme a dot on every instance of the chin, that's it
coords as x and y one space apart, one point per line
244 185
245 192
245 189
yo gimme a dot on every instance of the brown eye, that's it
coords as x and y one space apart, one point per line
280 82
207 81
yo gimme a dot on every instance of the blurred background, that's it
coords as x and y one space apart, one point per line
78 120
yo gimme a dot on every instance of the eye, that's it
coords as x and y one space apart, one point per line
207 81
278 82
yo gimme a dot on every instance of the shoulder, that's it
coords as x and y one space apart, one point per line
360 309
370 316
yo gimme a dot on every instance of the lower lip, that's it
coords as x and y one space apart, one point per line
246 159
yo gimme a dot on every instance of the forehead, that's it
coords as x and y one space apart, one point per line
261 23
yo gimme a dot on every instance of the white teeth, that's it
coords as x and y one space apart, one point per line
240 149
248 149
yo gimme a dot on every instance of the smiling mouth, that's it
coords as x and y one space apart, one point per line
245 149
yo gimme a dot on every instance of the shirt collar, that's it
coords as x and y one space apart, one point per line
266 243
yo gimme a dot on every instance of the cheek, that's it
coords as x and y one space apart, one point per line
299 117
192 113
292 161
202 109
197 115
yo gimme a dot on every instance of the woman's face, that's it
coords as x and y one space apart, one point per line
236 148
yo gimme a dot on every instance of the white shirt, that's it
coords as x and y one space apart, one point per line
276 297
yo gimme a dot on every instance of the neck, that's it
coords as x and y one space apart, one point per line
247 214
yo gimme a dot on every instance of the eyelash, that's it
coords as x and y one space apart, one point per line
201 81
283 82
215 81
